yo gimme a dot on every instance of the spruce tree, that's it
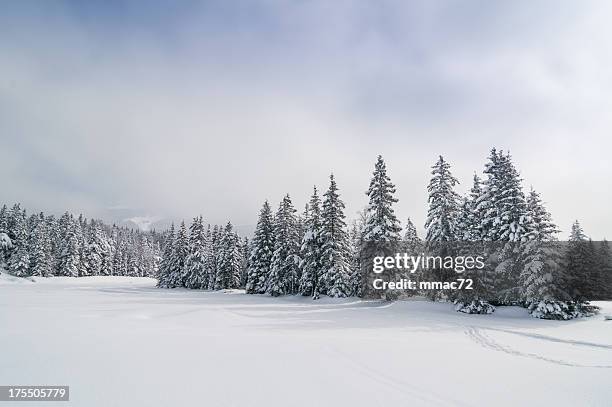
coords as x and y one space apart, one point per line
39 249
382 225
213 259
6 244
70 258
196 276
229 260
284 269
502 202
166 261
410 234
210 265
539 224
578 259
310 251
4 219
245 250
19 261
177 259
604 257
97 252
334 279
443 204
356 243
470 217
542 277
262 250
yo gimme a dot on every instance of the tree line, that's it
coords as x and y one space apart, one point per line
41 245
211 258
317 254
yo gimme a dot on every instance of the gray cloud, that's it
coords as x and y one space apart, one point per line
210 108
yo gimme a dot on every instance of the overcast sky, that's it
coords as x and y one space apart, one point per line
172 109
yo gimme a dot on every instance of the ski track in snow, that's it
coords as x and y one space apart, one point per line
553 339
479 336
409 390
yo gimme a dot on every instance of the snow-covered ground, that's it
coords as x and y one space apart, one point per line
121 342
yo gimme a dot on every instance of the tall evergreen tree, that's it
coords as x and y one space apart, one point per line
245 254
578 264
39 249
334 280
70 258
261 252
284 269
311 248
539 224
502 202
19 261
410 234
178 256
166 262
443 204
604 257
229 260
196 275
213 259
382 225
211 263
542 277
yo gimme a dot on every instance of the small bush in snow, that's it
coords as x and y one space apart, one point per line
561 310
476 306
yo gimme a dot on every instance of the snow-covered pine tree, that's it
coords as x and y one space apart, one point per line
229 260
81 232
470 219
542 277
357 244
245 254
539 224
310 251
166 260
382 224
262 250
334 279
39 249
443 204
120 265
442 218
504 219
604 257
19 261
133 267
4 219
6 244
146 258
541 281
502 202
70 259
210 264
213 259
180 250
196 276
462 229
284 269
410 234
97 250
577 264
